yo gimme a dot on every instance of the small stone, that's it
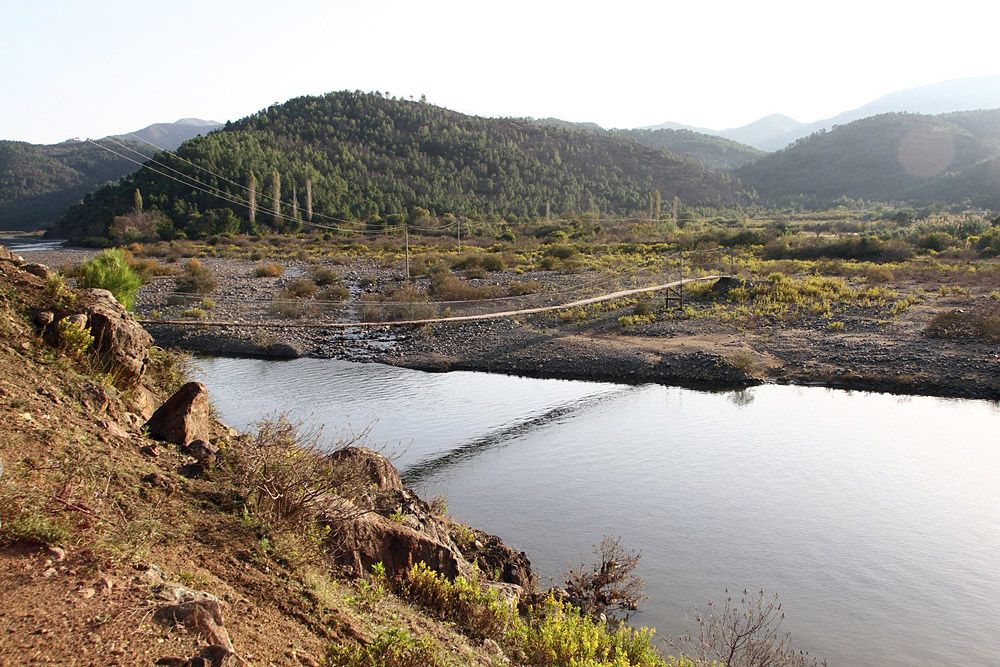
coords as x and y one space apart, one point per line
44 318
51 572
105 584
87 593
39 270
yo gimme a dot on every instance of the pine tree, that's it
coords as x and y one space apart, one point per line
657 205
276 197
295 202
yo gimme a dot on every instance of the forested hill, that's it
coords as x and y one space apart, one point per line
368 156
38 183
951 158
713 152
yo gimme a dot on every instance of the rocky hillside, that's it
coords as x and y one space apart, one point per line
156 535
373 158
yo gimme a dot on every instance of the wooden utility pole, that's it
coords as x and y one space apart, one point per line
459 221
406 239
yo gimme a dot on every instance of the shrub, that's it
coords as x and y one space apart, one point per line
394 647
286 310
608 585
982 323
301 288
194 314
446 286
197 278
522 287
74 340
269 270
562 251
745 633
109 270
323 276
289 479
334 293
479 612
558 634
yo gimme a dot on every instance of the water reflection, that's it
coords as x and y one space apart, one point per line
504 436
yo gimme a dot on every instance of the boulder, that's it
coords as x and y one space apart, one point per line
39 270
362 541
492 555
120 343
375 470
184 418
203 617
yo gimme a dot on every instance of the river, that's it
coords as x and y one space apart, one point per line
875 517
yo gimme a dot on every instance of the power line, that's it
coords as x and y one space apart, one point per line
228 197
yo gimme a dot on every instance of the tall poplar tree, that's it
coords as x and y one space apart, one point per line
252 196
309 198
276 197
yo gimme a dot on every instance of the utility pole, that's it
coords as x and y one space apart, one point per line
459 221
406 237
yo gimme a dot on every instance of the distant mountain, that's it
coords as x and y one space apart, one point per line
169 136
39 182
713 152
767 134
776 131
952 158
371 157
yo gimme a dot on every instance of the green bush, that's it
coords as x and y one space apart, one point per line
110 270
391 648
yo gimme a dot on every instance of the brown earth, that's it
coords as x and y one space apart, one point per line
103 529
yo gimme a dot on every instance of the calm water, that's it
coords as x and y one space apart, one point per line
29 244
876 518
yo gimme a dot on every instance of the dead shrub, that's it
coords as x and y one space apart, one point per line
197 278
288 477
302 288
743 634
609 585
269 270
446 286
980 323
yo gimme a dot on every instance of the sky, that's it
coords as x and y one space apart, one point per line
89 69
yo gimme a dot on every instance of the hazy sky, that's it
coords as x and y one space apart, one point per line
77 69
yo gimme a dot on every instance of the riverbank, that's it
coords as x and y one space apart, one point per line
877 348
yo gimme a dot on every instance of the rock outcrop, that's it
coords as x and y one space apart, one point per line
362 541
184 418
120 342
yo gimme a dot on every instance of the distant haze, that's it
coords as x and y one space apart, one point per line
90 69
777 131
